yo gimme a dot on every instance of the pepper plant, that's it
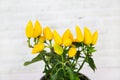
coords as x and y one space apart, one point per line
64 56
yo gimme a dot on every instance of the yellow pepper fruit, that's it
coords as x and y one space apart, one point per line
37 29
57 37
48 33
72 52
41 39
94 37
58 49
79 34
71 35
67 42
87 36
38 48
29 29
67 34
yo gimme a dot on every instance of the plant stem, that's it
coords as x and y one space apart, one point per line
63 64
62 61
54 67
34 41
29 45
45 61
50 42
82 64
73 61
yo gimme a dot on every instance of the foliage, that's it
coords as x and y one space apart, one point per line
61 55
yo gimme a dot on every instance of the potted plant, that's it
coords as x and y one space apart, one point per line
65 56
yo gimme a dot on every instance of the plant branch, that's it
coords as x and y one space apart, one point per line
29 45
82 64
45 61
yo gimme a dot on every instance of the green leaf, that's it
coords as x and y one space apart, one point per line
55 75
91 63
37 58
90 49
72 74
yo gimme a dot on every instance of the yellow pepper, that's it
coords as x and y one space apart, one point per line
29 29
38 48
67 34
58 49
57 37
79 34
72 52
37 29
48 33
87 36
94 37
70 35
67 42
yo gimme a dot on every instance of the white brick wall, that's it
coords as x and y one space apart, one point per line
103 15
